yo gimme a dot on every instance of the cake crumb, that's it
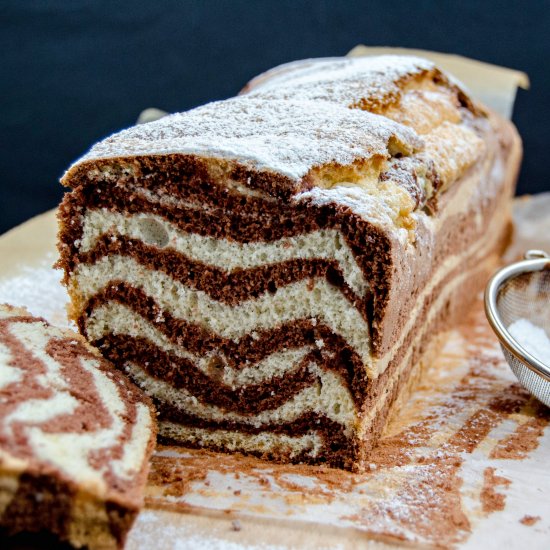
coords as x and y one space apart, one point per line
263 481
529 520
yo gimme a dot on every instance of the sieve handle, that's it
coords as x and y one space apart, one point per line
536 255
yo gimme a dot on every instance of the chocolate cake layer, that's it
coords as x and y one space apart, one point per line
250 349
271 269
75 436
230 288
183 374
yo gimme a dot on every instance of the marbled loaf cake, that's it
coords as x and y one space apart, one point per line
75 436
271 268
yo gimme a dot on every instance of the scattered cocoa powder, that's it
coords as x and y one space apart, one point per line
491 501
173 477
524 439
236 525
529 520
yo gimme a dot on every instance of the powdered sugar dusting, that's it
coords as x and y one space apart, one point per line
289 137
532 338
344 80
154 533
358 200
39 289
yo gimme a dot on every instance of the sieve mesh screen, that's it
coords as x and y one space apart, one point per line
526 296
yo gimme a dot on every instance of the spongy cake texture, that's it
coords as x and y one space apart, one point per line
272 268
75 436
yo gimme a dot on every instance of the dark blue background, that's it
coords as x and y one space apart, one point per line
74 71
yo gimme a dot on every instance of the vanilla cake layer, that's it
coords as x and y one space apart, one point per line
75 436
271 269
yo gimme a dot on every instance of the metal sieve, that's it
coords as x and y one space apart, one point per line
522 291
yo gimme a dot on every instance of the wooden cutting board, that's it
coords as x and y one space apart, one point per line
464 463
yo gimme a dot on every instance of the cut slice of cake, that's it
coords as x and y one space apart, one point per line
75 436
271 268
